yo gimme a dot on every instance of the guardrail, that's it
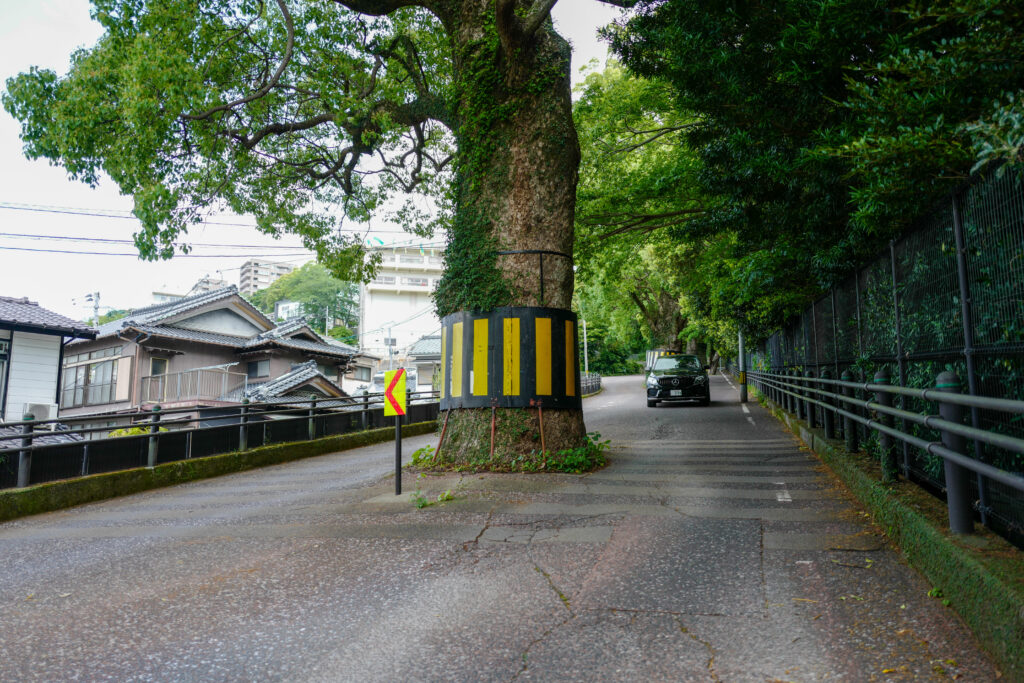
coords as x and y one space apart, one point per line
590 383
840 411
48 450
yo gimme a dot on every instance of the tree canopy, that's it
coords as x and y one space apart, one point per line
322 296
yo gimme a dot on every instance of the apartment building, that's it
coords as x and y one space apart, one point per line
257 275
396 308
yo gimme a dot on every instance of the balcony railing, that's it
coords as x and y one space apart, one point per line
210 384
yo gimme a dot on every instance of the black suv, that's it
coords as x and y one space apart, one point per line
677 378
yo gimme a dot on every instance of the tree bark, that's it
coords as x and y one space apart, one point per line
516 178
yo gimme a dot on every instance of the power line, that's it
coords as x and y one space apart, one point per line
105 240
107 213
136 254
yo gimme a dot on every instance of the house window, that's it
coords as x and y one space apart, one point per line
415 281
157 366
327 371
89 385
363 373
258 368
384 279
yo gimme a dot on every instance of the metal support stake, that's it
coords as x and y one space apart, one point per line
25 455
243 426
888 461
849 426
743 372
154 438
810 408
828 418
311 422
85 458
958 493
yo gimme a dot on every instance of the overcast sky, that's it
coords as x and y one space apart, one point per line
37 199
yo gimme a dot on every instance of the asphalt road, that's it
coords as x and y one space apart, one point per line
713 548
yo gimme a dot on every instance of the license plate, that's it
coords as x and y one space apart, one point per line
675 392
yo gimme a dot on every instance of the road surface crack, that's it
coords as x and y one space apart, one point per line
707 646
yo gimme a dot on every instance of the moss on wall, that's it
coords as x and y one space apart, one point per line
57 495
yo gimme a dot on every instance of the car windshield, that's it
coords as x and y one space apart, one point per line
677 363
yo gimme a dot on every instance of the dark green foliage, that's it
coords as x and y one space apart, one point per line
317 290
824 128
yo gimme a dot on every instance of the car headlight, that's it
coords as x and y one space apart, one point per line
652 382
700 379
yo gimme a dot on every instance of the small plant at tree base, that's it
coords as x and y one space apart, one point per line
446 496
418 499
424 457
588 456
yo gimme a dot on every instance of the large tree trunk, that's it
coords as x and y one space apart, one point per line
516 190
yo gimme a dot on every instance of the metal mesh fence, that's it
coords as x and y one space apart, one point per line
905 312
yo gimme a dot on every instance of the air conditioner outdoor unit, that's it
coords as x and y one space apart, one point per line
42 411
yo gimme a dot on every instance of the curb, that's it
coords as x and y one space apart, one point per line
981 576
58 495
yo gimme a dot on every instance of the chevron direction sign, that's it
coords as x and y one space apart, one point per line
394 394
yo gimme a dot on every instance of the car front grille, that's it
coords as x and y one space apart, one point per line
675 382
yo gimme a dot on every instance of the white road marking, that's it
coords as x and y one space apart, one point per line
783 495
751 420
745 408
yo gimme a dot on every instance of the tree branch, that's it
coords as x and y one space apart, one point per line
537 17
289 47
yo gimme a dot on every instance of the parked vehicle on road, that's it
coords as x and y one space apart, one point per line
677 377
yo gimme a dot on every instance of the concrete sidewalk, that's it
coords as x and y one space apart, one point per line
713 548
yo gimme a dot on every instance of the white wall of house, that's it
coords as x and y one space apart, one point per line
34 360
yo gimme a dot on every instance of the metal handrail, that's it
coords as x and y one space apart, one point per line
798 388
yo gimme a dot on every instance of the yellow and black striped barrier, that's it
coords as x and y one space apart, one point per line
513 357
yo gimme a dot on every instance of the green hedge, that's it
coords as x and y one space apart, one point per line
57 495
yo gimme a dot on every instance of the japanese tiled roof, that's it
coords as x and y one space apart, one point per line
156 313
148 320
279 386
426 346
29 314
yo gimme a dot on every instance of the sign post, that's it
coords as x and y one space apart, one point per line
394 406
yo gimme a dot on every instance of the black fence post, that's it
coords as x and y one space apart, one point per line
312 419
791 403
958 493
798 399
828 418
25 455
810 408
243 426
849 426
85 459
884 398
366 408
154 439
966 316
